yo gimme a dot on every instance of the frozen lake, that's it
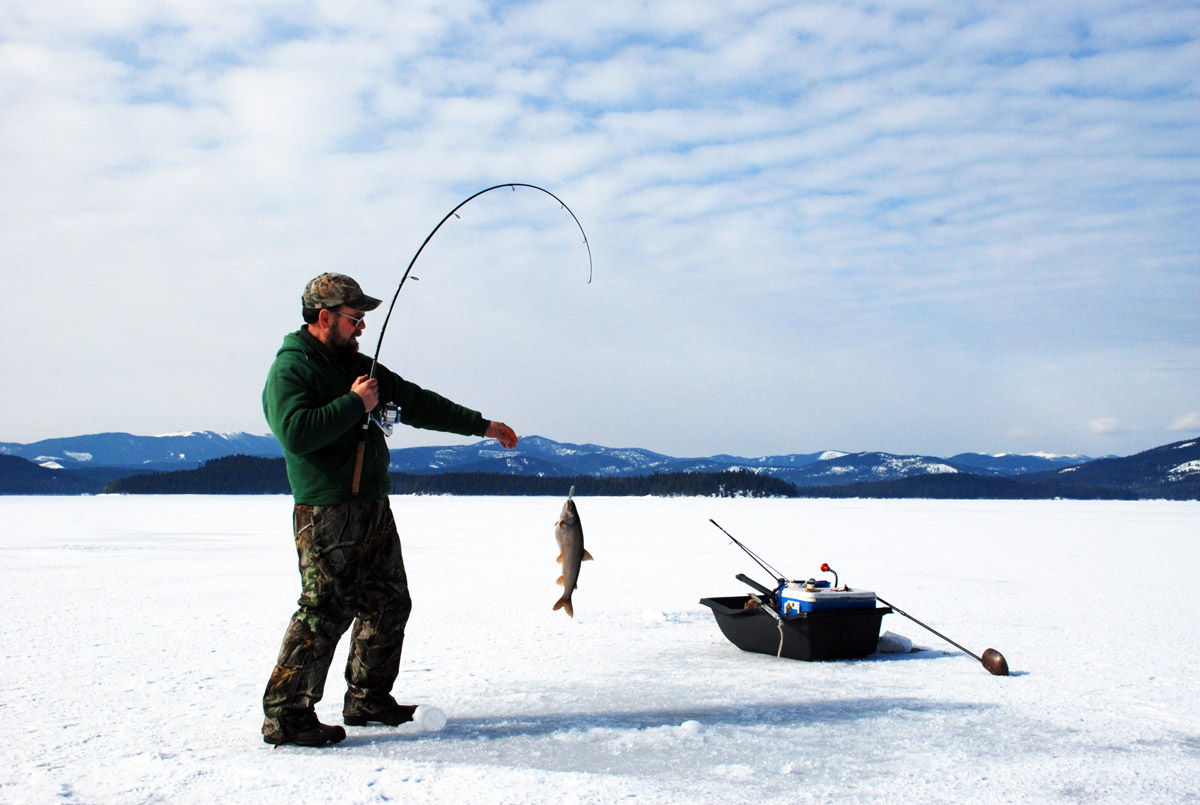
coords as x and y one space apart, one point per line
139 633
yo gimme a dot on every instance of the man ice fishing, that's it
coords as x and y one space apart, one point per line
351 568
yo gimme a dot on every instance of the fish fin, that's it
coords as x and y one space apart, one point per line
559 559
561 582
565 603
587 557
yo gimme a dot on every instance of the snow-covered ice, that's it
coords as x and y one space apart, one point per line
139 633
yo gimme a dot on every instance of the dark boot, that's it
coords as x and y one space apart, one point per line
302 730
376 710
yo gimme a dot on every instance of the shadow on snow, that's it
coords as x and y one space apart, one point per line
832 711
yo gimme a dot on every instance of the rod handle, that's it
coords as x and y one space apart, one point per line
358 463
744 579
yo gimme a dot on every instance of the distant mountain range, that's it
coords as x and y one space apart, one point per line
534 455
169 451
85 464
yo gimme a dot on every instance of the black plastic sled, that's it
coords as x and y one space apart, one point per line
840 634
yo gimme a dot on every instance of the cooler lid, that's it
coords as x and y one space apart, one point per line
797 592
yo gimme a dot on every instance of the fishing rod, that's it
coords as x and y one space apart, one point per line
779 577
993 661
454 213
393 416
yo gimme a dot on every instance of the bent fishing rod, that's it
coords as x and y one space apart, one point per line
366 424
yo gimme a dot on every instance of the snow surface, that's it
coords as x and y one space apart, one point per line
139 633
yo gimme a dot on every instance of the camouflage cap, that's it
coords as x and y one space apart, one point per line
332 290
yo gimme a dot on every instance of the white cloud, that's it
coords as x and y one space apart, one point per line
1189 422
1106 426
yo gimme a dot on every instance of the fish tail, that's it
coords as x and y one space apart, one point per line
565 603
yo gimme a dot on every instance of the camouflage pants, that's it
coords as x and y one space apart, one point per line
351 571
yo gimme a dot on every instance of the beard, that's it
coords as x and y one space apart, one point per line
345 348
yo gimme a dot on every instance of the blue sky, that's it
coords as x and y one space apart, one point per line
908 226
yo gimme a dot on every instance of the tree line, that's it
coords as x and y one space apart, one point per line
249 475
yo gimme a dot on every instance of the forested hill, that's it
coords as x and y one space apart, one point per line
232 475
248 475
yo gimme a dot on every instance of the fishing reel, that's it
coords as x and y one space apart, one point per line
386 416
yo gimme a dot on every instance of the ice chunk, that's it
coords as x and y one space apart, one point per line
431 719
891 643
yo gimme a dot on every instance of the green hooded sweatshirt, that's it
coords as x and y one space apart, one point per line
318 420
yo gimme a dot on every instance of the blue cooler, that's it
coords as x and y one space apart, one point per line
796 597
